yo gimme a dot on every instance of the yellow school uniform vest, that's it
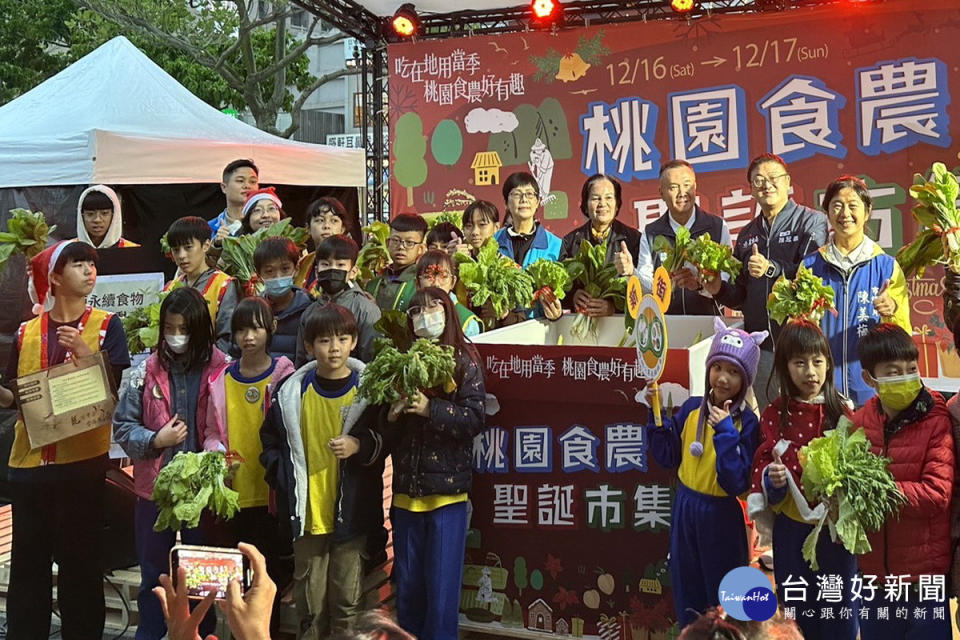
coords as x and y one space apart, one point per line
700 473
32 341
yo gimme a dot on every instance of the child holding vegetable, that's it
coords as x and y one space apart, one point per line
326 217
437 269
326 466
241 394
808 405
337 279
910 425
189 240
430 436
394 287
711 442
163 409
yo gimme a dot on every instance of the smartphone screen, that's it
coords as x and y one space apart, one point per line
209 568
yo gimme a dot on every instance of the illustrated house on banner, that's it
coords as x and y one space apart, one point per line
486 168
540 616
563 628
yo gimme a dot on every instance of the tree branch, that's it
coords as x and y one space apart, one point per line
295 53
309 91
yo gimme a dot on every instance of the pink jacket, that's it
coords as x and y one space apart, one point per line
213 433
156 412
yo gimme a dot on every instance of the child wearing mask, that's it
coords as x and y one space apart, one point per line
275 260
336 277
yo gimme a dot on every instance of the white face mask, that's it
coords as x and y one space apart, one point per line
429 324
177 344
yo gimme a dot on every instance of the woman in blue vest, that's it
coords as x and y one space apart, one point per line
524 240
869 287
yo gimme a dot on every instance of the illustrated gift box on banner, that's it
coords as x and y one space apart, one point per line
927 345
577 627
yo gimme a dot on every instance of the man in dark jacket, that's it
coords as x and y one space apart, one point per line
772 244
678 188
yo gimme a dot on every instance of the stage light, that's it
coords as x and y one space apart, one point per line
405 21
682 6
546 11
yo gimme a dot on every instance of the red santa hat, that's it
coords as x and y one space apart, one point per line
41 268
267 193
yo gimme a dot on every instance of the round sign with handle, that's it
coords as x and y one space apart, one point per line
650 334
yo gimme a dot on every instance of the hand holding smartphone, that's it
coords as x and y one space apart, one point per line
210 568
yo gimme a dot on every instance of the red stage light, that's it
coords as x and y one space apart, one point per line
405 21
545 10
681 6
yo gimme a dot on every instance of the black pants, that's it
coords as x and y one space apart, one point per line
255 525
56 522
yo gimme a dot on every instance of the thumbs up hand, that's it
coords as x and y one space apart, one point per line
883 302
717 414
623 260
757 265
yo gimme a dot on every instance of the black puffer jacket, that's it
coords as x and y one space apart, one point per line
434 455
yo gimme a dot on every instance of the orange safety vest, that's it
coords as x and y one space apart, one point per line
213 292
32 343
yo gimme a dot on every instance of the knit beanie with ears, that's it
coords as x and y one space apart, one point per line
742 350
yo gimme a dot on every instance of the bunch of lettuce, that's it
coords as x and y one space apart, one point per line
858 489
26 233
453 217
598 279
676 253
496 279
804 297
394 374
190 483
142 325
712 258
374 255
938 241
551 276
237 256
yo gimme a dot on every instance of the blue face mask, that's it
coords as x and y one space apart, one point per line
278 287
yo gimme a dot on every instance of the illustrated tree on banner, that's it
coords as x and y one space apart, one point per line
446 143
409 148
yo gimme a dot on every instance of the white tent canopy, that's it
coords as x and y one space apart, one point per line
115 117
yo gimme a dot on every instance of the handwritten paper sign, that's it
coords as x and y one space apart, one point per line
65 400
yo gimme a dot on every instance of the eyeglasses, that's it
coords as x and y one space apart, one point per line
269 208
98 213
405 244
759 182
520 196
433 305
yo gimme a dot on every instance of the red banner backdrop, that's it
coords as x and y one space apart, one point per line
850 88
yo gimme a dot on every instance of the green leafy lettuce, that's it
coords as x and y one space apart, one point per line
453 217
803 297
938 241
549 275
374 255
856 485
712 258
676 253
190 483
142 325
496 279
237 256
599 280
393 374
26 233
